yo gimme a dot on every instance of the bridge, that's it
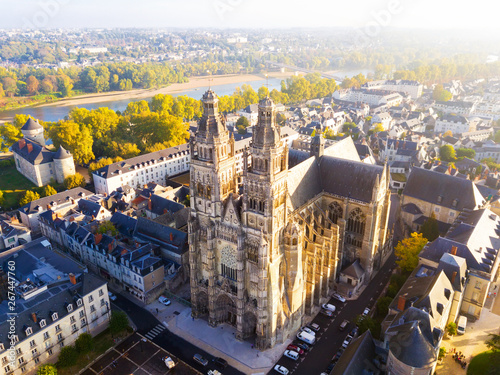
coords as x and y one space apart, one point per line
304 70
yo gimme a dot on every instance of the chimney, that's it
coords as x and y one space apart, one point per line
449 169
149 204
401 303
171 236
54 216
34 317
98 238
72 278
30 147
14 220
453 276
22 143
453 250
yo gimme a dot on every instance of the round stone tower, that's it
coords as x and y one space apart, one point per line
63 164
33 131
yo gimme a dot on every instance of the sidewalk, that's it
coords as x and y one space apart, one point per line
219 341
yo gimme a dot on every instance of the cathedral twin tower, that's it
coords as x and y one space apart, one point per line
258 259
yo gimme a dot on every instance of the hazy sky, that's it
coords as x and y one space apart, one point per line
478 14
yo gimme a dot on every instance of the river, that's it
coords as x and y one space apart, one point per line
56 112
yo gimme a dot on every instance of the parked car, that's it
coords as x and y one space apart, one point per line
315 327
330 367
338 297
281 370
347 341
164 301
366 311
328 306
343 325
308 330
301 345
326 312
169 362
112 297
291 354
354 331
200 359
296 348
220 362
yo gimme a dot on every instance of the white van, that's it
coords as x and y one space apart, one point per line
462 324
306 337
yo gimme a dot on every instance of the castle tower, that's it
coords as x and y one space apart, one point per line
33 131
264 214
212 182
64 164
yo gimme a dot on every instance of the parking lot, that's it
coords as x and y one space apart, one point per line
137 355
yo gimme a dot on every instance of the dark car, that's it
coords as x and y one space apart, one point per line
220 362
354 332
314 326
302 345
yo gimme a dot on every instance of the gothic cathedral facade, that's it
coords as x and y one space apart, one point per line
266 252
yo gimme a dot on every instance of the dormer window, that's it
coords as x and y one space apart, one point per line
69 307
440 198
54 316
43 323
29 331
79 302
2 347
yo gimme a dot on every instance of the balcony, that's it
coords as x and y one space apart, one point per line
36 355
74 330
60 340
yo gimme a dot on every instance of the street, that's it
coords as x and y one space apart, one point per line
329 339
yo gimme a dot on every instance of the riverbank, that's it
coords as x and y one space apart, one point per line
194 82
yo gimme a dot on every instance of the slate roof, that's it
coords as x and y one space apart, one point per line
62 153
357 357
160 235
31 124
476 238
38 154
336 176
123 223
161 205
89 208
453 192
354 270
412 209
59 198
296 157
127 165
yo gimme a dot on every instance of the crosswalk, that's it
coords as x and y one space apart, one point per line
155 331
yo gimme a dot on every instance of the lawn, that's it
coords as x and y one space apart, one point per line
13 184
485 363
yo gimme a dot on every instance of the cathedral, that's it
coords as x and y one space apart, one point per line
265 252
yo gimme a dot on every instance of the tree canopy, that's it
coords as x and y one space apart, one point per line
73 181
447 153
48 191
119 322
440 94
46 370
29 196
430 228
407 251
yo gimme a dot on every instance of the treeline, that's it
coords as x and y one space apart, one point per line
121 76
440 73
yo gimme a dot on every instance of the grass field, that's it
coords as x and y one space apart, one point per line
13 184
485 363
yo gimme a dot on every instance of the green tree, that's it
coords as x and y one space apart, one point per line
67 357
448 133
365 322
2 93
407 251
263 92
496 138
48 191
447 153
84 343
46 370
383 305
451 329
75 180
107 226
493 343
9 86
65 85
348 126
2 199
118 322
73 137
243 121
465 153
9 134
430 228
28 197
442 352
378 128
440 94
